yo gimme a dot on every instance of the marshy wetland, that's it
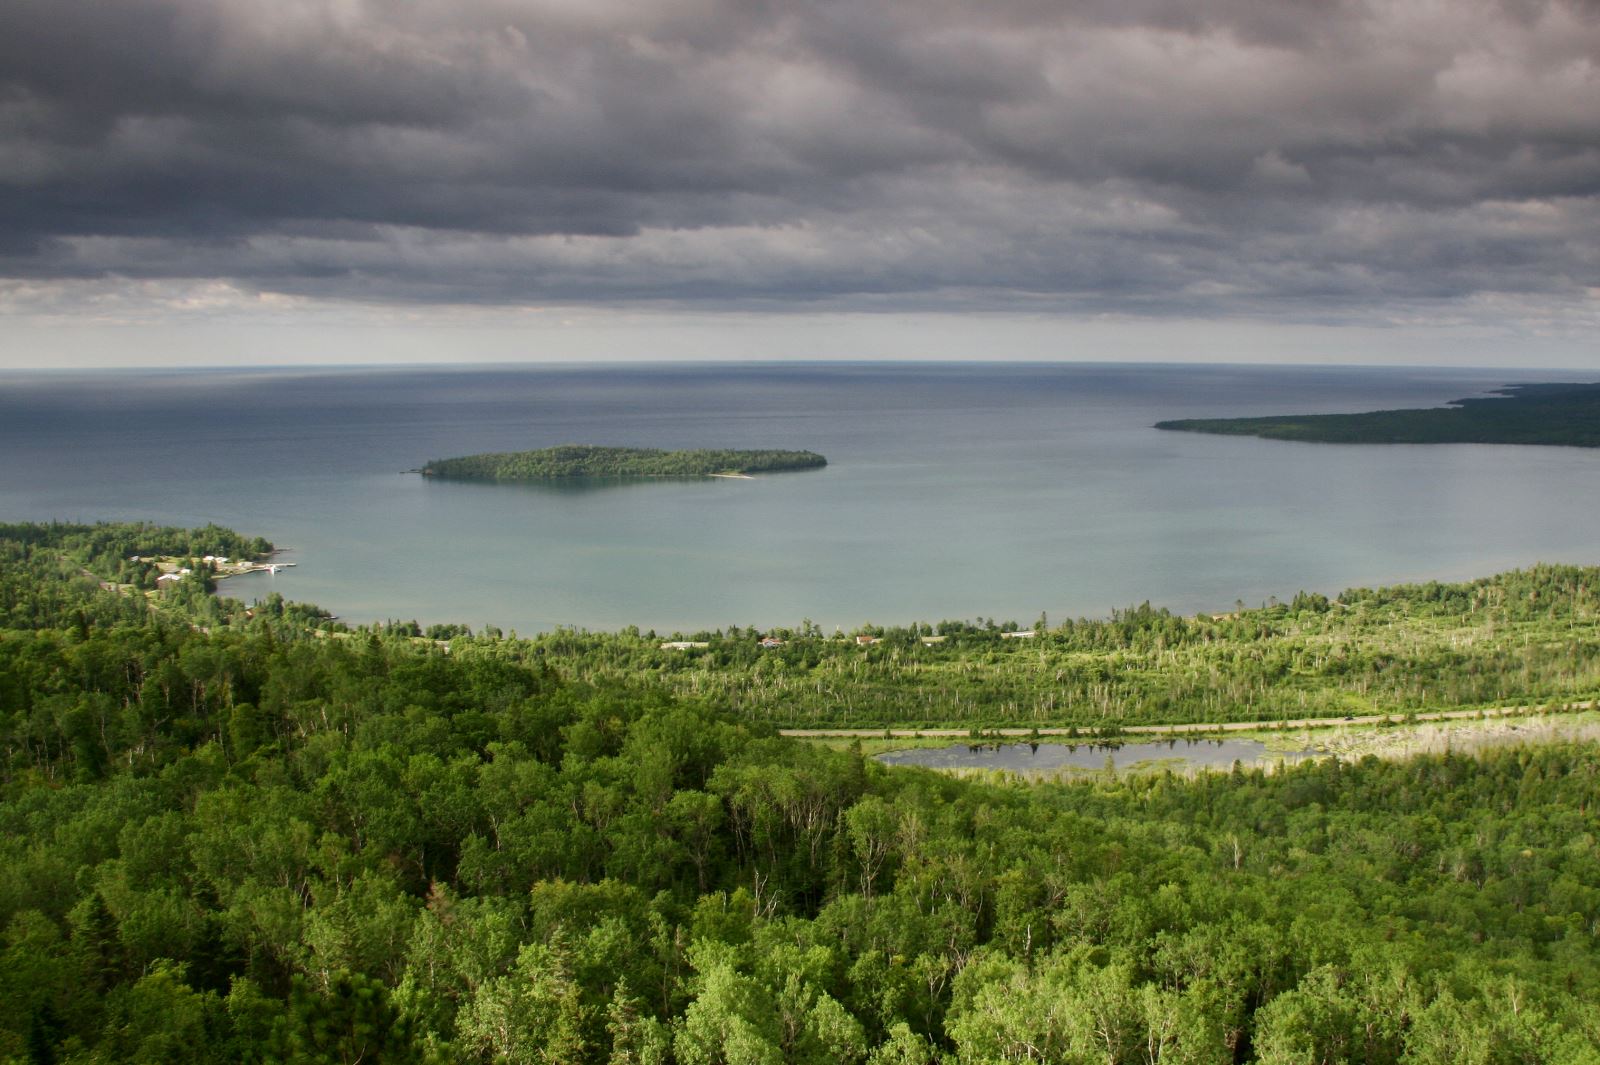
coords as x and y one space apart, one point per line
1266 747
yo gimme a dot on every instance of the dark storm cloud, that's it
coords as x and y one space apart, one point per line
1156 157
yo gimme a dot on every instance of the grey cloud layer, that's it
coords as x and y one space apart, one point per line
1137 155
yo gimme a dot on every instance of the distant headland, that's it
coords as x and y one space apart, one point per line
1566 415
574 460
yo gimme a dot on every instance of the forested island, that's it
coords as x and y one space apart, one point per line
1558 414
573 460
239 834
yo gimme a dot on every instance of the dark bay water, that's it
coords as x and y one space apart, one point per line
1053 758
952 490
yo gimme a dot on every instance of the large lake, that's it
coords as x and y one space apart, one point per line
953 491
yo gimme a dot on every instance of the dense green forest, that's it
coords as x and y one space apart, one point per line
1529 636
1562 414
574 460
229 836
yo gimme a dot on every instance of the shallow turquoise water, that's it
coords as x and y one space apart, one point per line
952 490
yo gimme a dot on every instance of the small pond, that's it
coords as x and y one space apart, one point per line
1046 757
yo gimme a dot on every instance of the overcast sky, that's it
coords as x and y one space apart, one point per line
332 180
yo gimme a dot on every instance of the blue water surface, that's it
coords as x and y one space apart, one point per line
952 490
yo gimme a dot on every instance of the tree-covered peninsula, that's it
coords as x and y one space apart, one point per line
574 460
1559 414
1524 637
230 837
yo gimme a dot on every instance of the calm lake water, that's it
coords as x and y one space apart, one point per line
1050 758
953 491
